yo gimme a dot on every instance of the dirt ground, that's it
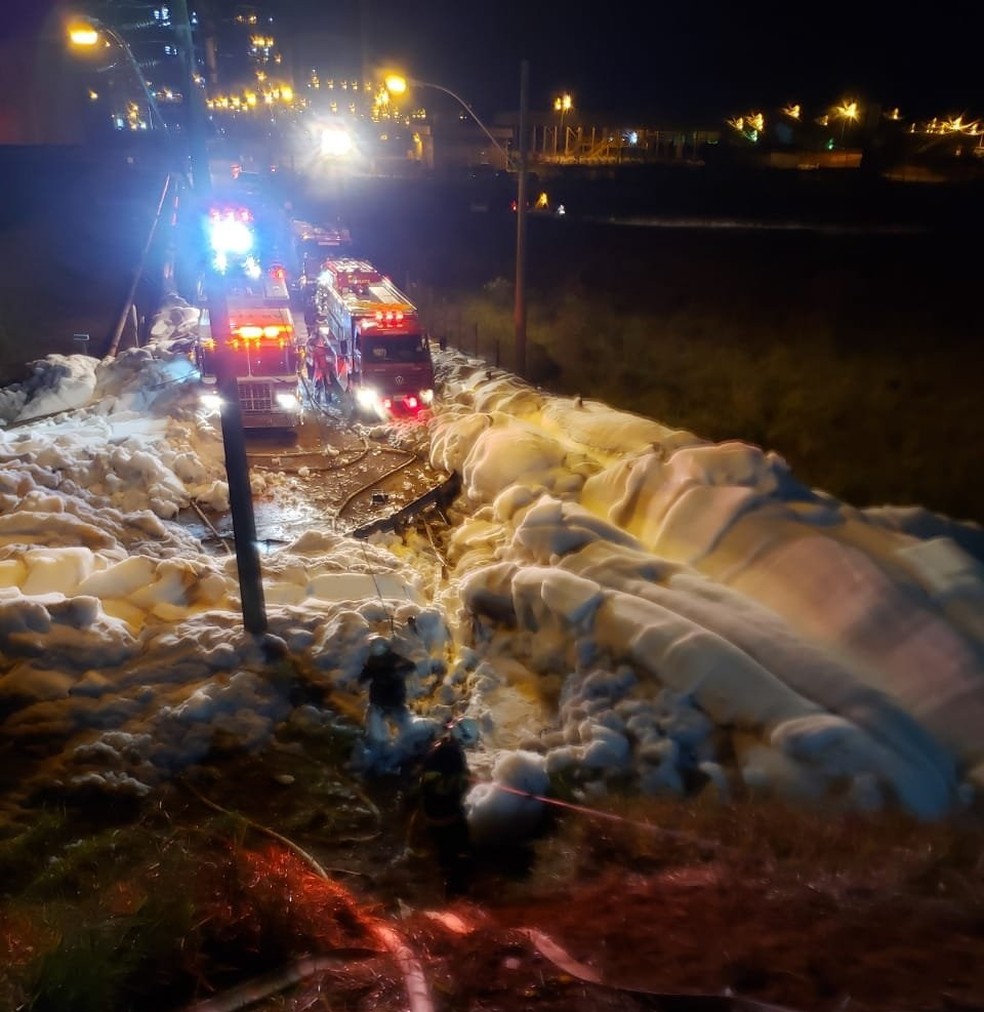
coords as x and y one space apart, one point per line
698 936
273 883
673 906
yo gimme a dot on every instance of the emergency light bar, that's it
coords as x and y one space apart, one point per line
231 214
389 316
254 333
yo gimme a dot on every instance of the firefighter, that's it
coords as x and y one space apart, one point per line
321 371
442 784
386 673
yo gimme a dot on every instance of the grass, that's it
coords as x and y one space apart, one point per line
860 420
156 909
887 852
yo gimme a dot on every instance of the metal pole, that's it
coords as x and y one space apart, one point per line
233 437
519 313
237 471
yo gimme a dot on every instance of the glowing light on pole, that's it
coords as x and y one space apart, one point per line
87 34
848 112
563 104
396 84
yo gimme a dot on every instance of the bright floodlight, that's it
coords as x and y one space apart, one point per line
228 235
335 142
395 84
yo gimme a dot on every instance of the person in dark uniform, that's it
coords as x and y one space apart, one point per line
386 673
443 782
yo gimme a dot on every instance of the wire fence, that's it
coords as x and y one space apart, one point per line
452 327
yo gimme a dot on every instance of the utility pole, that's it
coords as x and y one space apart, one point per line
519 312
233 437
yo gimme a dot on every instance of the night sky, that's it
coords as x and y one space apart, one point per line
704 57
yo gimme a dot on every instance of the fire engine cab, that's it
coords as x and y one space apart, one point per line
380 352
260 348
261 351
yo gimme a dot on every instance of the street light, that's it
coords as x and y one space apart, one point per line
397 85
87 32
563 104
848 112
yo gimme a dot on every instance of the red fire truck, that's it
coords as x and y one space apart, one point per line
380 352
261 350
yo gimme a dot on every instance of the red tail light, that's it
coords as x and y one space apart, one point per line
412 403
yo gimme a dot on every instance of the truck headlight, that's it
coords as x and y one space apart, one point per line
211 402
367 397
288 402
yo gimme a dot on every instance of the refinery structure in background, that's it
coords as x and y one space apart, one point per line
282 94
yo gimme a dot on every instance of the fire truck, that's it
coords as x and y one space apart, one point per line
380 353
261 350
314 244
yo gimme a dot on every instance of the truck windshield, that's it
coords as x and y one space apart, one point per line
249 359
395 349
270 359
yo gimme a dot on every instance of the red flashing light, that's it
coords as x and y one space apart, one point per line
230 214
387 403
412 403
278 273
389 316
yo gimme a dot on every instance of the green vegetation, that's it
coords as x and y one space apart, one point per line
873 423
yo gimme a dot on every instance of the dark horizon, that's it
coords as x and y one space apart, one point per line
693 59
702 60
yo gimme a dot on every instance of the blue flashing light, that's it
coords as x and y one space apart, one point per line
230 236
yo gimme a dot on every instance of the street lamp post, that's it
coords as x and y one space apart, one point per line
88 32
397 85
848 113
